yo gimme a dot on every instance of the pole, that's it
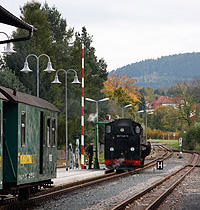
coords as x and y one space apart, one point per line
38 73
56 81
37 69
66 126
82 113
122 112
96 163
97 111
146 125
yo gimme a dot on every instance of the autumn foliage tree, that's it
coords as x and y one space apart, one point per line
122 90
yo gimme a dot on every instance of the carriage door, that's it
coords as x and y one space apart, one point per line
1 152
41 140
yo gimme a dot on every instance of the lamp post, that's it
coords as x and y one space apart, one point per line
96 163
141 111
129 105
8 49
146 113
146 117
56 81
26 68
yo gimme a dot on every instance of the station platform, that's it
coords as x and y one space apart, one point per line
74 175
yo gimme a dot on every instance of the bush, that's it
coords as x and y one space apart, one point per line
158 134
192 137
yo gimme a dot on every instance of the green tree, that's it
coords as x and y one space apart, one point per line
51 38
165 118
186 104
9 79
55 39
95 73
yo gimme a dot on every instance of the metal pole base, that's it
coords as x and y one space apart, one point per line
96 163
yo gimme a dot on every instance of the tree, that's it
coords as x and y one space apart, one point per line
55 39
193 88
165 118
51 38
95 74
9 79
122 90
186 104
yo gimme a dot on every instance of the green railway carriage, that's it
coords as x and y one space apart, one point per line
2 98
28 145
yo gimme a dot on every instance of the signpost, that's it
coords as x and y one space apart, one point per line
180 145
180 142
159 165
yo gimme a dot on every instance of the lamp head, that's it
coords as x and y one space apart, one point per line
49 68
89 99
26 68
56 80
129 105
104 99
76 81
8 49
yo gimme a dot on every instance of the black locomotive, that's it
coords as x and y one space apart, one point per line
123 140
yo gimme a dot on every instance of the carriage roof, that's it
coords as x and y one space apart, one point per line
19 97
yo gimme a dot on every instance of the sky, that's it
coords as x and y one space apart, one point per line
129 31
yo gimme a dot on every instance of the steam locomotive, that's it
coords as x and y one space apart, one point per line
123 140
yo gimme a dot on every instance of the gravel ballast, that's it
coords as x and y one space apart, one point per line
111 193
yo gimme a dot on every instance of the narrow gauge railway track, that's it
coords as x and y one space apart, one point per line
152 197
48 193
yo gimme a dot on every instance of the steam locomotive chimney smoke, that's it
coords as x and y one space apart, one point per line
92 117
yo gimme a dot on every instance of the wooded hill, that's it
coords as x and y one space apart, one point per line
163 71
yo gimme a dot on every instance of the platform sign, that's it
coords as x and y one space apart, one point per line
180 142
159 165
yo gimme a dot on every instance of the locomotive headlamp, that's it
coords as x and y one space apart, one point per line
137 129
112 149
132 149
121 129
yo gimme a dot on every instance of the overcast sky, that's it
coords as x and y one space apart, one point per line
129 31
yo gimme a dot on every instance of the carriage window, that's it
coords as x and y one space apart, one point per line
23 128
54 132
42 128
48 132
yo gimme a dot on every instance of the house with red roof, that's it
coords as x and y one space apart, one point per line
163 101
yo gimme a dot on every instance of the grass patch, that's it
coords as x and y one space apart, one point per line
173 144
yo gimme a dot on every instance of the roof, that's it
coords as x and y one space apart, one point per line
3 97
19 97
8 18
163 100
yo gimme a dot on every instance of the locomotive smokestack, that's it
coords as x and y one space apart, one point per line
14 92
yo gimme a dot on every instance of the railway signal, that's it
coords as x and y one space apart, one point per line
180 145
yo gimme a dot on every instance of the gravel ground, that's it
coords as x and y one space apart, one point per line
187 195
108 194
